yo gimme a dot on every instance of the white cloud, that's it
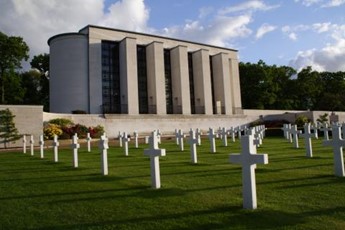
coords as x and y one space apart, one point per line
264 29
248 6
322 3
333 3
329 58
37 20
308 2
293 36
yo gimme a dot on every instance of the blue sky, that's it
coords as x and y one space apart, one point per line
296 33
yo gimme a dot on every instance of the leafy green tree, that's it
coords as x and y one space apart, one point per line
12 51
14 93
8 130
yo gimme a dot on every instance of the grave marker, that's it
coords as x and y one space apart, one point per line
55 147
136 138
120 138
295 133
211 137
75 146
232 132
193 140
180 137
154 153
307 139
125 139
224 136
104 146
88 141
325 130
198 135
24 143
248 159
32 142
41 143
337 143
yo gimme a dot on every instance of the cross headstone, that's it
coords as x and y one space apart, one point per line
24 143
125 140
314 128
239 132
198 135
211 137
180 137
154 153
193 141
325 130
88 141
224 136
295 133
232 132
55 147
136 138
159 136
286 131
103 147
41 143
176 137
337 143
147 139
32 142
120 139
248 159
75 146
307 139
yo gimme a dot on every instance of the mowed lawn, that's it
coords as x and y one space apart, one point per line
294 192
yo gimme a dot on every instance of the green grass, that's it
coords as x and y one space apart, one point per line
294 192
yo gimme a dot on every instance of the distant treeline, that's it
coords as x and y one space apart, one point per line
281 87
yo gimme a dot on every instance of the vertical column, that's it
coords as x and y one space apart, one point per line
155 78
129 76
221 81
202 82
235 86
180 80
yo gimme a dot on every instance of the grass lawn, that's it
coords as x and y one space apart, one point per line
293 192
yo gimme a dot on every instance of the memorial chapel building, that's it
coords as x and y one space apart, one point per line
110 71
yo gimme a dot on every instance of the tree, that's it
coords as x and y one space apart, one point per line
8 130
41 63
12 51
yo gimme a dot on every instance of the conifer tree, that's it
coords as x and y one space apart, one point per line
8 130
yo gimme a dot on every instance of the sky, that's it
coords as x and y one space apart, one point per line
296 33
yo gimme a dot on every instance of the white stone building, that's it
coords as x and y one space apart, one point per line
109 71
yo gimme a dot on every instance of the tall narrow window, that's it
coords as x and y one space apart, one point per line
168 84
191 82
142 79
111 77
214 105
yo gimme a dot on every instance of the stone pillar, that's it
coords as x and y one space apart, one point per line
180 80
202 82
235 87
156 78
221 82
129 76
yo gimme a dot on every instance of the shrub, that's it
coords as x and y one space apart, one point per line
96 132
62 122
50 130
301 120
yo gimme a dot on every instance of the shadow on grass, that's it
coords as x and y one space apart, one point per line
225 217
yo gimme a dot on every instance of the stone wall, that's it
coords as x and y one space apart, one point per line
28 120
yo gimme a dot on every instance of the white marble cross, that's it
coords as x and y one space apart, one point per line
224 136
176 137
159 136
104 146
325 130
88 141
337 143
232 132
193 140
295 133
248 159
198 135
239 132
125 140
120 138
154 153
286 131
41 143
24 143
307 135
56 146
211 137
314 128
75 146
136 138
180 137
32 142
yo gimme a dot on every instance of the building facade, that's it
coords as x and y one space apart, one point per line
109 71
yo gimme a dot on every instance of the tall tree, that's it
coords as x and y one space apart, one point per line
41 63
12 51
8 130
